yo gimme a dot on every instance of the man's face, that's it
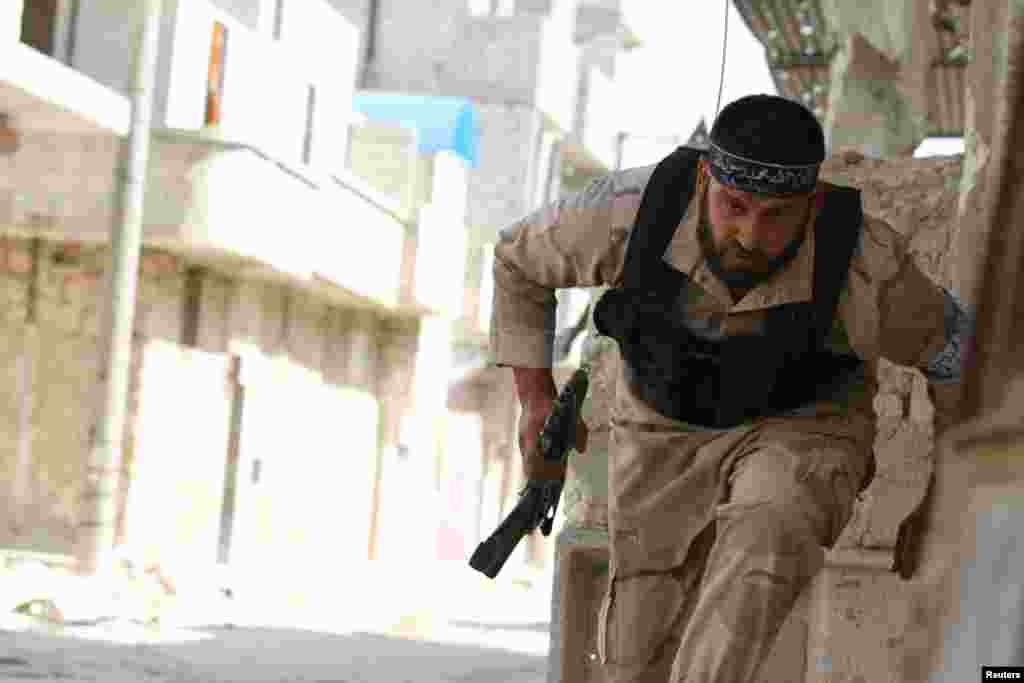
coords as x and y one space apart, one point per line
748 230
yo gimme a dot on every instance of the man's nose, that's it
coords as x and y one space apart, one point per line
746 234
751 230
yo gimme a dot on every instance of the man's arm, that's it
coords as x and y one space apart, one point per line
946 366
944 370
891 308
578 241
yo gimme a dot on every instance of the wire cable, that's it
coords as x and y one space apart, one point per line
725 44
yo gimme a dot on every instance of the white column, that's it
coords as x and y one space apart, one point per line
10 20
427 419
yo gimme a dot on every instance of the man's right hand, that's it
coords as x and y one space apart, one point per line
531 422
537 393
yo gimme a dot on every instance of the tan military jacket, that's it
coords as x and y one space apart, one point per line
888 308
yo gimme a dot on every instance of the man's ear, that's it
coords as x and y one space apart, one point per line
703 177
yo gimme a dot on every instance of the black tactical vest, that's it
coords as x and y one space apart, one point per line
723 383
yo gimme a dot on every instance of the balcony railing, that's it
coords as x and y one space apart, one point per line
231 200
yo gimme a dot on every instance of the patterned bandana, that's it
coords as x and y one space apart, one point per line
759 177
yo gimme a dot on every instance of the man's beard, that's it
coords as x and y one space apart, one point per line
737 267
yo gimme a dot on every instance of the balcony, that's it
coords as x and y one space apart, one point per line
39 93
243 194
288 95
228 205
283 96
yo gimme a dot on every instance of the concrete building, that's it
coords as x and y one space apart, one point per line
540 75
284 314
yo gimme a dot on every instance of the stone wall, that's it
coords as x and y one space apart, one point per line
53 318
917 197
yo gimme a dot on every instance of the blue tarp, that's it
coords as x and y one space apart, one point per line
441 123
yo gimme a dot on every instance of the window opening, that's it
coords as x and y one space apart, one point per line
278 18
38 25
215 75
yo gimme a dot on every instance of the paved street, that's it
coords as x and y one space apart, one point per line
482 634
270 654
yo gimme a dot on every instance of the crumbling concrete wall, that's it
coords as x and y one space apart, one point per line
917 197
295 363
49 355
880 76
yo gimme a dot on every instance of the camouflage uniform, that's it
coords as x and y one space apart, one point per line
714 533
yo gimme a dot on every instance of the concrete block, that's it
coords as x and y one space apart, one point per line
857 625
904 461
581 578
917 197
787 662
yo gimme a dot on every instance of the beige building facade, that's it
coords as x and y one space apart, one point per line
287 318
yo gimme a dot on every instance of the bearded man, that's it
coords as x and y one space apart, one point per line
749 300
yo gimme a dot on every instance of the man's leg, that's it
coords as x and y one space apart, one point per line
783 508
643 618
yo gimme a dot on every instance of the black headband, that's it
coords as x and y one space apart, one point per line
749 175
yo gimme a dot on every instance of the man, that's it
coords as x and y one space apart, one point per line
748 300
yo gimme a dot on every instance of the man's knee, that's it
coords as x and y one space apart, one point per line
792 491
764 556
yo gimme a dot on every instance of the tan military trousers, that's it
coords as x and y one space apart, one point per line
714 617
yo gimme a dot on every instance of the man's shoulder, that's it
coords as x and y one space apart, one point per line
621 182
619 192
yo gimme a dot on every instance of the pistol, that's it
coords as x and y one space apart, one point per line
538 501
